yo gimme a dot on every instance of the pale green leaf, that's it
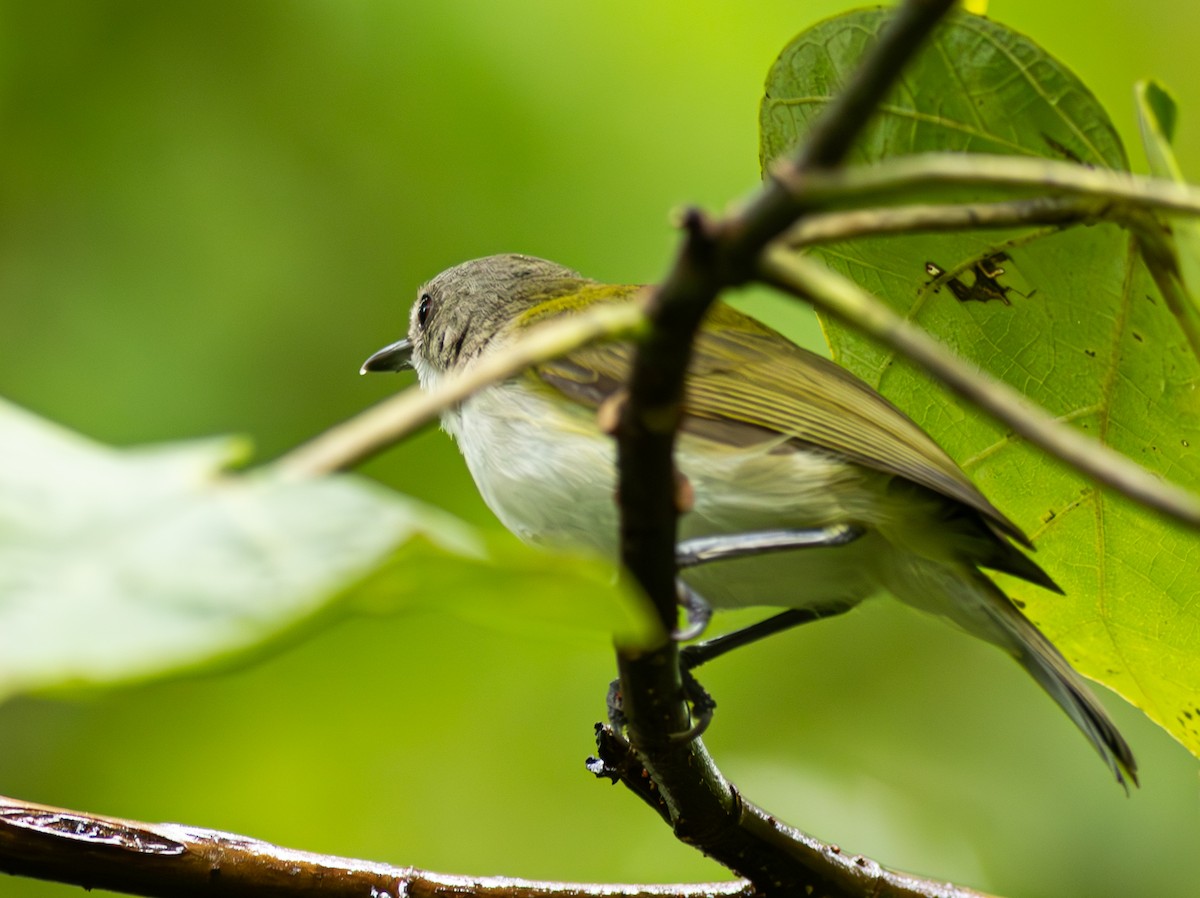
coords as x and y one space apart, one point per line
124 564
1069 316
1156 117
515 588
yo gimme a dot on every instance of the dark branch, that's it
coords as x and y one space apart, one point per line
775 208
843 874
174 861
704 809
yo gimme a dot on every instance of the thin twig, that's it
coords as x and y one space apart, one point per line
175 861
922 172
383 425
1131 198
840 296
850 224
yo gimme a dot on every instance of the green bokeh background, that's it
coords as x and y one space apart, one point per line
211 213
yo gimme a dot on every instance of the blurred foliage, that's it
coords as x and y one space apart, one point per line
182 565
210 213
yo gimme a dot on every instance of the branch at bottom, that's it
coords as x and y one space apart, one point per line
176 861
831 873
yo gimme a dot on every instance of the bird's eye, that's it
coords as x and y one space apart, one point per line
423 309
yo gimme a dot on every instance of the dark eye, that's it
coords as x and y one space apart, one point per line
423 309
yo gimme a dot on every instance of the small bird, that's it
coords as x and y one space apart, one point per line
772 436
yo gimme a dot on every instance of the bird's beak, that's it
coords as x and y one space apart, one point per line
395 357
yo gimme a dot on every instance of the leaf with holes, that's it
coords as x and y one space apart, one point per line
1069 316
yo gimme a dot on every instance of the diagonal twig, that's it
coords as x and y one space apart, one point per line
169 859
925 172
882 221
354 441
815 283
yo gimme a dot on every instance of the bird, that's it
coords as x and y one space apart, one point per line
771 436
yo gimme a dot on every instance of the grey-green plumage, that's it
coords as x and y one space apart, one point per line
772 436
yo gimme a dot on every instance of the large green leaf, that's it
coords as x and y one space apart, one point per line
1069 316
123 564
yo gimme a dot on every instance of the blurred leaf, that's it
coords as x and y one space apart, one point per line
1156 116
513 588
1071 317
116 565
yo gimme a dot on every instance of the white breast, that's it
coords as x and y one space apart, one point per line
554 490
560 490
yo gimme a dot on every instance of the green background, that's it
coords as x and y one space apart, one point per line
211 213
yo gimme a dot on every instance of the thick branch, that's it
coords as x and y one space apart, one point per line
174 861
704 809
840 296
846 874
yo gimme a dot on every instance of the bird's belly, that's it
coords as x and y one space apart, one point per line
801 578
556 491
562 492
739 491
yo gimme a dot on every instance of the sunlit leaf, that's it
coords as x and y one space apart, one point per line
124 564
1069 316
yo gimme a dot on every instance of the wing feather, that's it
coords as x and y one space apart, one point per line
746 377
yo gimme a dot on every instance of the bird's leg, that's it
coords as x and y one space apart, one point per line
693 656
731 546
697 611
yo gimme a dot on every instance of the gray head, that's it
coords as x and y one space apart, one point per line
465 308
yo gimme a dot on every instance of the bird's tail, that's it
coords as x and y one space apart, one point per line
981 608
1045 663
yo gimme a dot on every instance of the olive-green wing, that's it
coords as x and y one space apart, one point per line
748 383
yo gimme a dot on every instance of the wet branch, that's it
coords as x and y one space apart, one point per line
175 861
705 810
